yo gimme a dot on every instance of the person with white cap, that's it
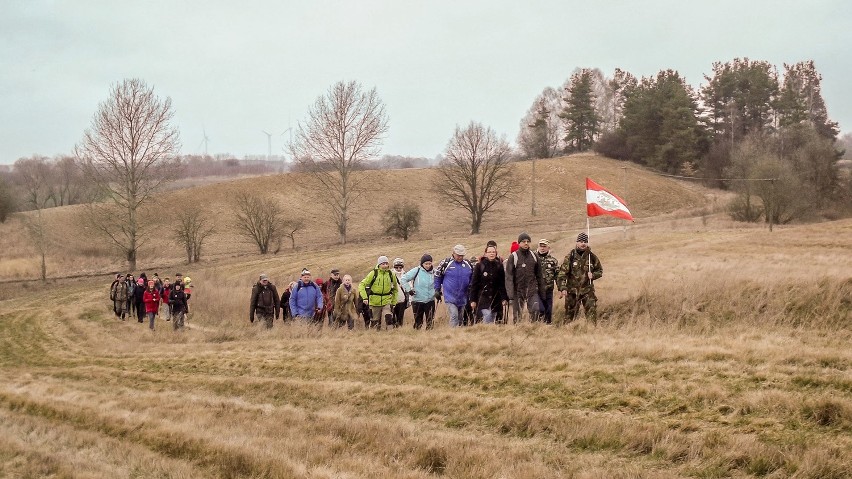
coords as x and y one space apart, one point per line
576 279
548 267
264 301
305 298
452 283
379 289
402 301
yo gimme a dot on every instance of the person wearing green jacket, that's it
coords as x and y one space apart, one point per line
379 288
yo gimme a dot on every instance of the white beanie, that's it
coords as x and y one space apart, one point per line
382 259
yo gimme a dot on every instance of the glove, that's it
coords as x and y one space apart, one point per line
251 319
438 296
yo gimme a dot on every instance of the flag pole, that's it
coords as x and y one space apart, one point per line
588 233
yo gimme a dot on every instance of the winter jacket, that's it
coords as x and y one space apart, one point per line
305 299
178 301
404 287
345 303
151 300
264 300
488 287
548 265
383 289
573 272
331 288
523 279
422 284
118 291
454 277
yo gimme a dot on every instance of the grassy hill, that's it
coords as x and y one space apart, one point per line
722 351
560 214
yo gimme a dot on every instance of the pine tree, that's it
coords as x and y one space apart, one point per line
801 100
581 118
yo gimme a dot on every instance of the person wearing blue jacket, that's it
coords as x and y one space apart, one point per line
452 282
305 299
422 282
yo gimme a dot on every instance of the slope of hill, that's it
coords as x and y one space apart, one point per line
723 351
560 213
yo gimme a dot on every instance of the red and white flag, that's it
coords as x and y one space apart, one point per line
599 201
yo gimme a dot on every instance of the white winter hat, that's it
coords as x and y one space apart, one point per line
382 259
459 250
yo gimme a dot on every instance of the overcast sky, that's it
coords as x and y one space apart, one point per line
236 68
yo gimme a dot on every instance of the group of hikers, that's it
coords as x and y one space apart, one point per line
145 297
486 289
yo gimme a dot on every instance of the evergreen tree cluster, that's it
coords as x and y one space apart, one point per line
747 120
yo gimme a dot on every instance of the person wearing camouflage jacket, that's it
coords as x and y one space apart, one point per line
548 268
576 279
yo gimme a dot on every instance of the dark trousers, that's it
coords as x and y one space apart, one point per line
547 306
398 314
424 311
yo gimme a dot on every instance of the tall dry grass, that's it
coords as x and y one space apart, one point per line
722 352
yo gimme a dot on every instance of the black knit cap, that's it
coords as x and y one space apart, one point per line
426 257
524 236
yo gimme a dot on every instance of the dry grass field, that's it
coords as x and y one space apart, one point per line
560 207
723 350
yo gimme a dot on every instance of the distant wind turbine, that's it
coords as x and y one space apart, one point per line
205 140
269 139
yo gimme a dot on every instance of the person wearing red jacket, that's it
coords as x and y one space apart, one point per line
151 298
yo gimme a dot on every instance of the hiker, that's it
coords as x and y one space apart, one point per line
345 304
523 280
422 292
139 298
332 284
548 267
379 288
151 298
285 302
131 291
319 317
118 294
363 308
452 282
402 299
167 294
576 280
305 298
264 301
488 287
177 305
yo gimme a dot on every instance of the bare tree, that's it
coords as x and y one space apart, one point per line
69 186
33 176
194 227
128 154
7 200
344 129
476 172
39 238
290 228
540 133
402 220
259 219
